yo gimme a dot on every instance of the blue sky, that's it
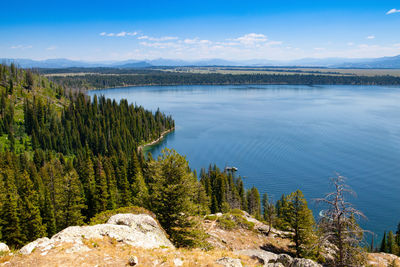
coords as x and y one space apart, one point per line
120 30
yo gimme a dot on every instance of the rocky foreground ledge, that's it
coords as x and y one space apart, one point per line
138 230
138 240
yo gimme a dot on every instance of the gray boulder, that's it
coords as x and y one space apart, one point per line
285 259
274 260
139 230
38 243
263 256
299 262
4 247
229 262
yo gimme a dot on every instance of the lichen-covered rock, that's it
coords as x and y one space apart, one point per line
299 262
139 230
229 262
285 259
276 264
263 256
38 243
274 260
4 247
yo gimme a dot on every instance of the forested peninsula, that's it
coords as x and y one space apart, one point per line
69 160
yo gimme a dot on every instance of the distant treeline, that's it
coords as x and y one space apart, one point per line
92 81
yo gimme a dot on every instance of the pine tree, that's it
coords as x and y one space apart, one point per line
253 202
269 211
86 175
298 217
111 184
10 87
172 194
10 223
30 218
140 191
72 201
48 214
391 245
101 193
384 247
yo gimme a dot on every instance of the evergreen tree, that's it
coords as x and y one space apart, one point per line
101 192
72 201
10 223
391 244
10 87
384 247
48 214
30 219
86 175
269 211
172 196
298 217
111 185
140 192
253 202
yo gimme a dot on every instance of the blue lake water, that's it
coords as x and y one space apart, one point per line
282 138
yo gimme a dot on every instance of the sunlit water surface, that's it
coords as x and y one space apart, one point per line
282 138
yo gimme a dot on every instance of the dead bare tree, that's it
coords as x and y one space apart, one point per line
338 225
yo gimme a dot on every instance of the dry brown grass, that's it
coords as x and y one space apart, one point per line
107 252
238 239
382 259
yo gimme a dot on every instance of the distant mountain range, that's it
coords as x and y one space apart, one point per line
383 62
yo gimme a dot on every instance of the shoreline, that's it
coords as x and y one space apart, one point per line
234 84
159 139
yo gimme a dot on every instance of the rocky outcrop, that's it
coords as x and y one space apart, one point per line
229 262
262 256
265 229
139 230
4 247
277 260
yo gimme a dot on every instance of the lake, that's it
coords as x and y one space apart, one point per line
282 138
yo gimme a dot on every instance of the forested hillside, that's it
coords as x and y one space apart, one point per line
63 157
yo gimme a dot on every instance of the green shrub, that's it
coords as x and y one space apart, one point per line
211 217
226 222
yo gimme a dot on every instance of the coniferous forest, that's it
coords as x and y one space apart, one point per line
65 159
103 80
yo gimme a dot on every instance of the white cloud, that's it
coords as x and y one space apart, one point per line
252 38
350 43
53 47
370 37
392 11
120 34
274 43
160 44
196 41
22 47
319 49
164 38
